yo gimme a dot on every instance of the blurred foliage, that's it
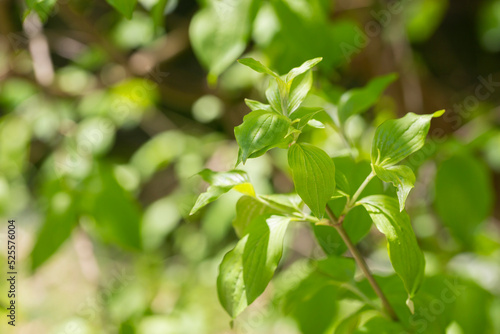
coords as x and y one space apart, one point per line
108 110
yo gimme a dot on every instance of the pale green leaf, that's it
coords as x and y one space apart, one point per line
359 100
313 175
404 252
303 115
256 105
219 32
257 66
401 177
247 269
396 139
298 91
221 183
260 131
306 66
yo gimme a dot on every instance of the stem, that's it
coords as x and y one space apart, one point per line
360 260
361 188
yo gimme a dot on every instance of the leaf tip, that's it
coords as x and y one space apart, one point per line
438 113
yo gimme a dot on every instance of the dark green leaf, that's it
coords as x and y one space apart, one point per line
59 221
404 252
115 210
313 175
261 130
221 183
125 7
359 100
464 195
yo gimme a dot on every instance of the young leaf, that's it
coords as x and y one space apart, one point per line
221 183
257 66
406 257
298 91
396 139
256 105
306 66
359 100
247 269
125 7
277 95
260 131
401 177
313 175
303 115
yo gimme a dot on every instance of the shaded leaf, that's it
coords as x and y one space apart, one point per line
359 100
404 252
401 177
125 7
247 269
464 195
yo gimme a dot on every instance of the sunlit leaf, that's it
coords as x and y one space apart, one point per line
313 175
261 130
396 139
221 183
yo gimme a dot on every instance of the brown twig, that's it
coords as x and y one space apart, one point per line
337 224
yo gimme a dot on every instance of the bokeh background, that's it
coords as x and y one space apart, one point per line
109 109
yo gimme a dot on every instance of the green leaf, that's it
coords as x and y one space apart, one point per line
260 131
298 91
313 303
247 269
220 31
42 7
401 177
115 210
158 12
306 66
303 115
221 183
249 208
257 66
464 195
313 175
125 7
256 105
357 224
359 100
396 139
404 252
60 219
276 94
